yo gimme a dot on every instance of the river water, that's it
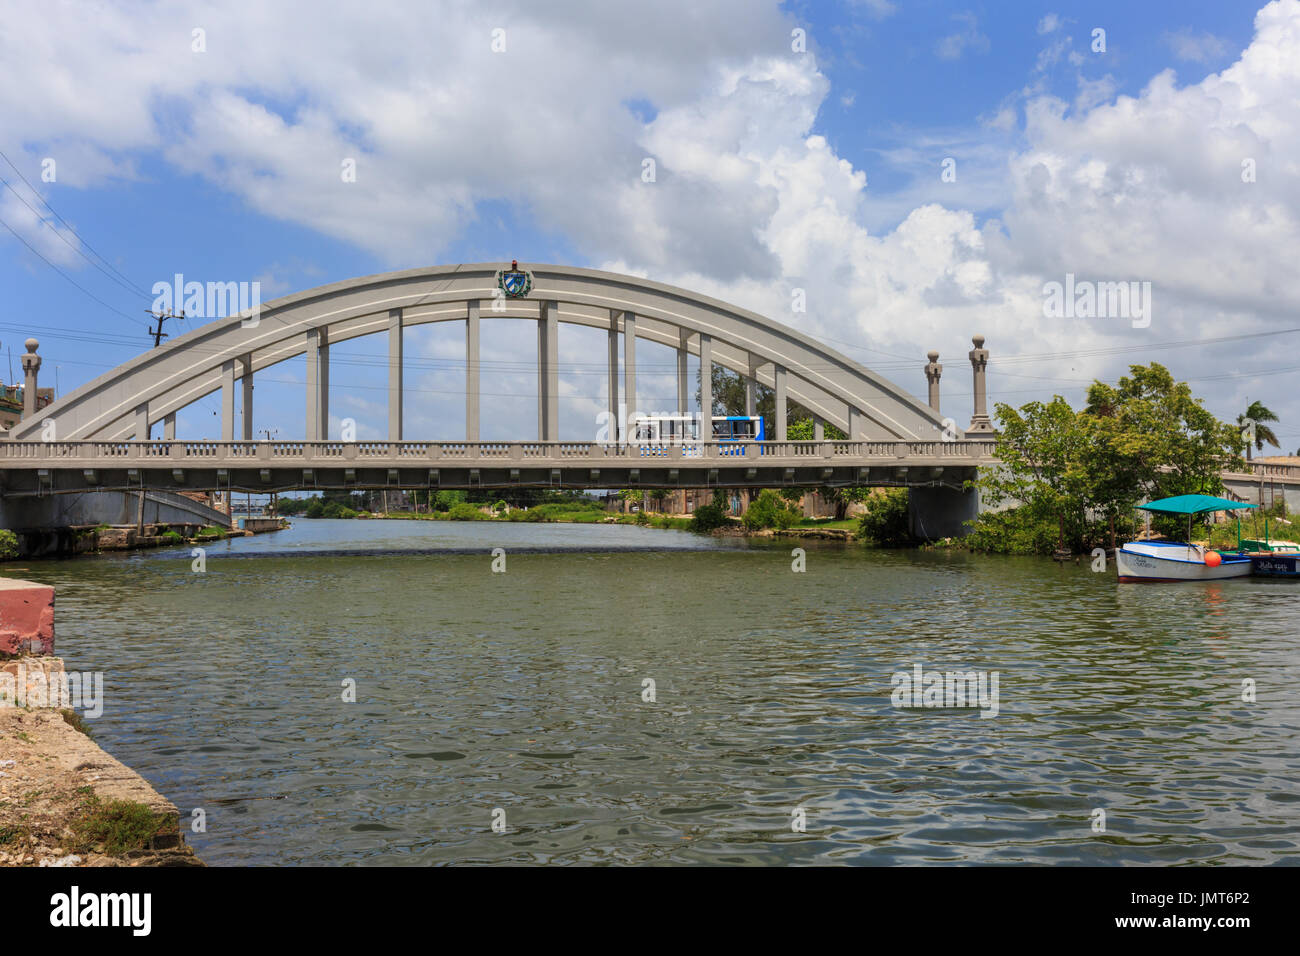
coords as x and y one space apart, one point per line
520 697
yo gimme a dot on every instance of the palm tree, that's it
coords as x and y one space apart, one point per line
1260 434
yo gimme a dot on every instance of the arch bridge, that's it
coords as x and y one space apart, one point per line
100 435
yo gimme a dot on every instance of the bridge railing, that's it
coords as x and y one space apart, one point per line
178 453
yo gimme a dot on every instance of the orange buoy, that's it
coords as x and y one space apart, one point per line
1213 559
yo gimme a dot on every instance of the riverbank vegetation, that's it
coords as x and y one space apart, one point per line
1071 479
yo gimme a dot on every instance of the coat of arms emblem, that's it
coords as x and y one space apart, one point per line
515 282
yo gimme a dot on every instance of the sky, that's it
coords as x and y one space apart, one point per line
923 171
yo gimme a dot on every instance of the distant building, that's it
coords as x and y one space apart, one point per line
11 403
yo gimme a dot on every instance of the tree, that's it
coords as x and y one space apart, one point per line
768 510
1254 432
729 399
447 499
1146 437
885 523
1159 439
841 498
1043 452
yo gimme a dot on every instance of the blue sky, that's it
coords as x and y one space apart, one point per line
776 169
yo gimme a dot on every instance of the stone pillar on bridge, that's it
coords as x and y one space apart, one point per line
169 426
471 371
629 371
979 360
819 429
706 387
779 413
932 372
394 374
683 372
318 385
548 372
141 431
31 365
246 374
614 423
227 401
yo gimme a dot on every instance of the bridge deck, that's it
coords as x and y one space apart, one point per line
43 467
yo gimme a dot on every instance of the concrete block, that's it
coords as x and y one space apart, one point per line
26 618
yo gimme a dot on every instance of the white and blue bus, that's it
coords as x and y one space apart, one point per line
680 428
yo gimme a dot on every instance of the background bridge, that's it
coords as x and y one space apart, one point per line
100 436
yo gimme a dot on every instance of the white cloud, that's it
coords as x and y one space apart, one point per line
748 200
952 46
1049 24
1197 47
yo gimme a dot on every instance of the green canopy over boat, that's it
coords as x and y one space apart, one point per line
1193 505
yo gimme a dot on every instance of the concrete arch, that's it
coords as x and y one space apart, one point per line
154 385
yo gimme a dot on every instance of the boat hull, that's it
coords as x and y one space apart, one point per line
1276 565
1171 562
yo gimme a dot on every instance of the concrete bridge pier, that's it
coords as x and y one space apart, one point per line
941 511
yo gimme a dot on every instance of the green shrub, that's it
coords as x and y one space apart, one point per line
315 509
464 511
8 544
1014 531
706 518
119 826
172 537
770 510
884 523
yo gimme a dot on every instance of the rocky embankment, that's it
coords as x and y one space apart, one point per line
65 802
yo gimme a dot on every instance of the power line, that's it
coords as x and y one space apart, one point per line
65 275
134 288
45 222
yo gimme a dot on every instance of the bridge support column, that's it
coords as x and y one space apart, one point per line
228 400
318 385
471 371
779 414
819 429
142 422
706 387
548 373
395 375
629 371
169 427
683 373
751 389
615 424
246 366
857 424
941 512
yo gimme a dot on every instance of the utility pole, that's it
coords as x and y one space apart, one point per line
275 498
158 334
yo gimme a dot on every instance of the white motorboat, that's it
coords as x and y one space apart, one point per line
1177 561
